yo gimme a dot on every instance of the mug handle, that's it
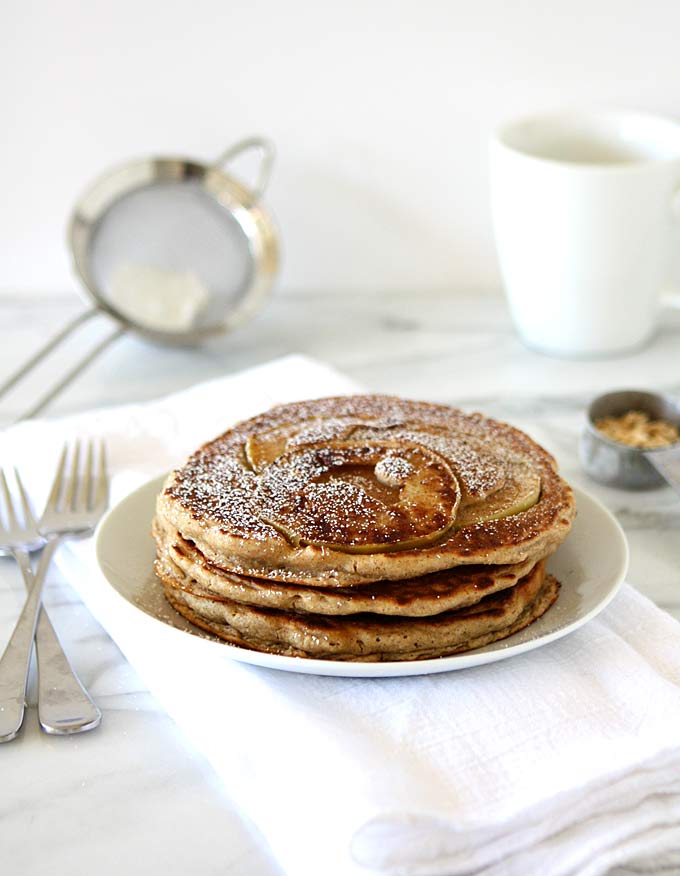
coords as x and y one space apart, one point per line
265 148
670 296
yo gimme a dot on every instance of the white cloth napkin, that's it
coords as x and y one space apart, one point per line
564 760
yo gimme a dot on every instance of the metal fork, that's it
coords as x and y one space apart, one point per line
75 505
64 706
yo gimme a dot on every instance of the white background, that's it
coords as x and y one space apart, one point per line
380 110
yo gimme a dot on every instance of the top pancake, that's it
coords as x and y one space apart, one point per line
354 489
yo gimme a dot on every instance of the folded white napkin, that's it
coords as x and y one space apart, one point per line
564 760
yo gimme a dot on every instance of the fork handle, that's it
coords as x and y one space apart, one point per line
16 659
64 706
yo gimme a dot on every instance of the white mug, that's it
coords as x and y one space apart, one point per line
585 209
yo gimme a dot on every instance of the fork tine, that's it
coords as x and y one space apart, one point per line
53 498
29 516
101 486
10 516
69 497
84 493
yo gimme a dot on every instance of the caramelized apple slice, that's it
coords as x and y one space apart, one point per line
360 497
521 491
481 472
263 448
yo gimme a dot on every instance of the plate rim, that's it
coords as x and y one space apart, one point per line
378 669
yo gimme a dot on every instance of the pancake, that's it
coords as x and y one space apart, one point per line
367 637
352 490
416 597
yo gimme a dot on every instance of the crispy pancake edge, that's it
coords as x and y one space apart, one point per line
418 597
543 600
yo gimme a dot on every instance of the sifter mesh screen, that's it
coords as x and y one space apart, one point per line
170 258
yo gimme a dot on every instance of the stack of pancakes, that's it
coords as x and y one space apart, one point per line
363 528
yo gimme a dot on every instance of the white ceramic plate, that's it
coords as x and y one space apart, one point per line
590 565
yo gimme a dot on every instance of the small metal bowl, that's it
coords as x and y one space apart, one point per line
617 465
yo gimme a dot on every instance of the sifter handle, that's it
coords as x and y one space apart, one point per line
52 344
71 375
267 153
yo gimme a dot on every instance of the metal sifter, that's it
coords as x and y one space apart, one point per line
172 249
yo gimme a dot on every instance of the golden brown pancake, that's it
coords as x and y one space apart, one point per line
347 491
415 597
367 637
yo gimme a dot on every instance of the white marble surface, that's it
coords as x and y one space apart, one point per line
133 796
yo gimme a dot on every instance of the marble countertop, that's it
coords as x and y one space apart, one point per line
133 796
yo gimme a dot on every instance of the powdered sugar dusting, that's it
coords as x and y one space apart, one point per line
393 470
217 485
